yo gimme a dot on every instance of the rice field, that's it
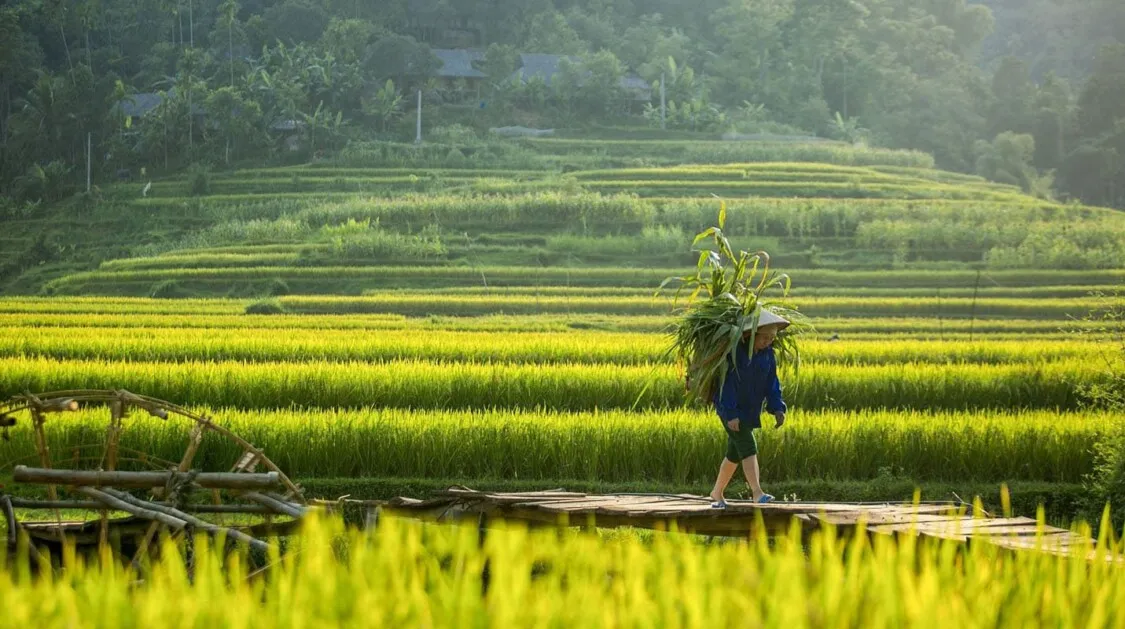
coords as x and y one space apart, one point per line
247 343
563 386
425 304
503 324
408 574
671 447
635 278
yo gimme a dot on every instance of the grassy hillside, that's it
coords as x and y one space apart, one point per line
571 212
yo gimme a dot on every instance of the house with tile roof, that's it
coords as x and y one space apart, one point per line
546 66
457 73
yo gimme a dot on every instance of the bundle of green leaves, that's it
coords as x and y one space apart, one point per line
726 296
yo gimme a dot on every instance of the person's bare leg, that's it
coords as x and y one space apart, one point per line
726 472
750 469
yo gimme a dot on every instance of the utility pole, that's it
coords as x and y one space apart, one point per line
418 135
662 108
88 143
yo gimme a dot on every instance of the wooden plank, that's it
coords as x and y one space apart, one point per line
461 492
1048 543
592 505
533 503
904 527
971 525
875 521
1017 530
644 509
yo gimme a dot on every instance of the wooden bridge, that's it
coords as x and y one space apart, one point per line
694 514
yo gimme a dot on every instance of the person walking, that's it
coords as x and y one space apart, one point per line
751 381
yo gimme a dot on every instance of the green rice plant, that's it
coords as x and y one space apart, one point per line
425 304
667 447
408 573
529 211
201 261
799 187
939 330
704 152
247 339
564 386
429 276
121 305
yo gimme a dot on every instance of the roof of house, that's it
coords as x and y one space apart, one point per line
458 63
541 65
546 66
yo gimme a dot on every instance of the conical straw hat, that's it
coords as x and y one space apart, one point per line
768 318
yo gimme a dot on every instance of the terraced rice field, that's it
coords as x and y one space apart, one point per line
552 397
493 326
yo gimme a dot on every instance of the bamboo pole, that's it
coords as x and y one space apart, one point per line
155 407
113 435
190 519
44 452
141 512
278 506
93 505
210 480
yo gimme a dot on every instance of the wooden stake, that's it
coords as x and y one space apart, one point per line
10 517
113 435
44 455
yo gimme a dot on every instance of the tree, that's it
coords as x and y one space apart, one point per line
1007 159
19 56
1091 172
1053 113
550 33
1094 169
58 13
751 34
400 58
347 39
500 61
385 106
296 21
228 12
1013 98
234 119
1102 101
600 88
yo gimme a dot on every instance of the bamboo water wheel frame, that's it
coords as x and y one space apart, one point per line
96 477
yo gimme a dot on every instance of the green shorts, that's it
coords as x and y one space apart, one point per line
740 444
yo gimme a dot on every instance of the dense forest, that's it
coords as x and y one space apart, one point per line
1026 93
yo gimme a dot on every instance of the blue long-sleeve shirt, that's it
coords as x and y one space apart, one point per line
751 381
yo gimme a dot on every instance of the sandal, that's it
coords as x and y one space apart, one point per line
764 499
719 504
